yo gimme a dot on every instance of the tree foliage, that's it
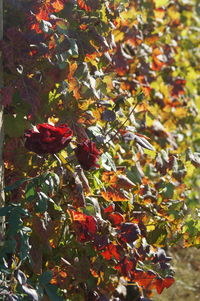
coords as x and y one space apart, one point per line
93 220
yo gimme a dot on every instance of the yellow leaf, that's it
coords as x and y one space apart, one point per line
151 153
150 227
149 120
180 112
119 36
63 153
173 13
64 161
160 3
104 16
190 168
109 82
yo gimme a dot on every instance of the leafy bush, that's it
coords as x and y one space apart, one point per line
90 211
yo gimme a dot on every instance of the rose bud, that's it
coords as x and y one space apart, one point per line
48 139
87 154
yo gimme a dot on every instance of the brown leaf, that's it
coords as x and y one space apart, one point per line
36 252
120 63
43 231
29 92
80 132
79 198
83 179
115 195
7 94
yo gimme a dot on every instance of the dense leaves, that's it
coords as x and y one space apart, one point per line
102 146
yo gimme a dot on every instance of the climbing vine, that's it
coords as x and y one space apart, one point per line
102 146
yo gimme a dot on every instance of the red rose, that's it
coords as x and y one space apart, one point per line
48 139
87 154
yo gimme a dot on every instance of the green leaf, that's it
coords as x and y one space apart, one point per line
5 210
73 51
91 283
46 26
158 236
143 142
14 125
107 162
134 175
15 185
24 244
9 246
52 292
41 204
62 26
46 277
30 194
167 190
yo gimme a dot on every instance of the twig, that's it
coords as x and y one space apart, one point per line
122 123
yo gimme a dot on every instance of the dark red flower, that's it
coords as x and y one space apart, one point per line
48 139
87 154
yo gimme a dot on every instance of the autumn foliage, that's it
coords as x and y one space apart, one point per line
101 147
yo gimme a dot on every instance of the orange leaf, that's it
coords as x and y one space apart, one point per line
112 251
58 5
145 279
88 5
117 180
82 4
114 195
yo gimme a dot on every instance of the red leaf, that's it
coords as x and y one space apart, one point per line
43 13
144 279
109 209
125 266
88 5
168 281
85 225
112 251
144 84
161 283
116 218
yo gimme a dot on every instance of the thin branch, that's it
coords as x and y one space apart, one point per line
121 126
